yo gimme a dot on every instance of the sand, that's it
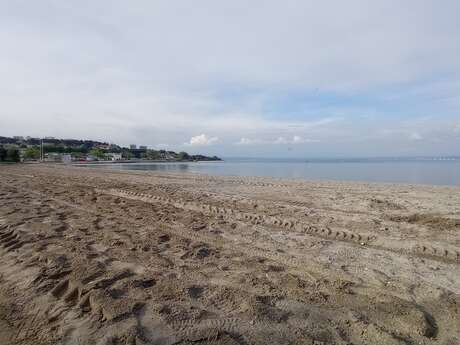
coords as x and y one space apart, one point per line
102 257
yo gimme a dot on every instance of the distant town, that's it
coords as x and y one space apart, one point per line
50 149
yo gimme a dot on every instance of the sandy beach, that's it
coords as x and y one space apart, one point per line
104 257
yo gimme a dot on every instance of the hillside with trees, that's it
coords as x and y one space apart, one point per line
20 148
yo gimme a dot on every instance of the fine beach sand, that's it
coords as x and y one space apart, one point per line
89 256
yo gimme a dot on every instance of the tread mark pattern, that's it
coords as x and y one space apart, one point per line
231 215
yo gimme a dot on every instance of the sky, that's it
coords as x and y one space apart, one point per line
236 78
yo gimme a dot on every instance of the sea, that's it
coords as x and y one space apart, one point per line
413 170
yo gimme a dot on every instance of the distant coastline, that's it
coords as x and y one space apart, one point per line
50 149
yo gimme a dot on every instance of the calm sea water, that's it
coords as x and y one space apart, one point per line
429 171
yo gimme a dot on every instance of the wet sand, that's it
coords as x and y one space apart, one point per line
103 257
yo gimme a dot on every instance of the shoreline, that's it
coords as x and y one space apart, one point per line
438 175
207 174
299 180
144 161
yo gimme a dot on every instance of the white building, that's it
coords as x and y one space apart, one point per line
114 156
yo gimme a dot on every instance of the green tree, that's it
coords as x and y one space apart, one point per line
126 154
183 156
152 154
78 155
2 154
49 148
97 153
12 154
32 153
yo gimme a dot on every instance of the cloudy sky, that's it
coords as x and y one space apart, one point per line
236 78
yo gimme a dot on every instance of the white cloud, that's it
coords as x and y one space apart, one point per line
298 140
161 146
281 140
247 141
295 140
415 136
201 140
